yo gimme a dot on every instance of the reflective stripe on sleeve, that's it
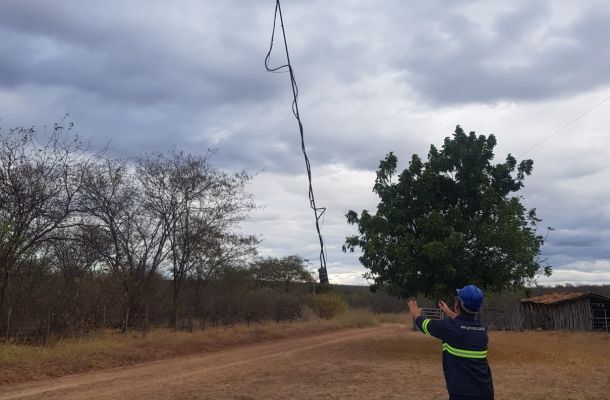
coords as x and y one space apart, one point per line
464 353
424 326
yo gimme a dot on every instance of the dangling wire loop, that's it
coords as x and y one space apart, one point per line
318 211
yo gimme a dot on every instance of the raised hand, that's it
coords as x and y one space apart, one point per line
413 308
448 311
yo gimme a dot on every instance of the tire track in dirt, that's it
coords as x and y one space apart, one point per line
154 380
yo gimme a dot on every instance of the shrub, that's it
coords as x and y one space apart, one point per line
308 314
328 305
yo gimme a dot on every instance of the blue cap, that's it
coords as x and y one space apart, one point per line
471 298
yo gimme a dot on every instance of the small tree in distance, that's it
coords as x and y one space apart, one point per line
450 221
286 270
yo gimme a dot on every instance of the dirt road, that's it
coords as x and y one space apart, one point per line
386 362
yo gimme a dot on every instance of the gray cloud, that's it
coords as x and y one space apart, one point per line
374 77
524 55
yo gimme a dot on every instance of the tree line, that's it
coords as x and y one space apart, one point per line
89 241
80 230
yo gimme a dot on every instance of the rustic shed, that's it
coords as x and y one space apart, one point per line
573 311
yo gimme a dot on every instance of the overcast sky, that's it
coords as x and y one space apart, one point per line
374 77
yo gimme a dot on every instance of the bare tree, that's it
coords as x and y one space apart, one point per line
199 205
40 178
71 255
129 237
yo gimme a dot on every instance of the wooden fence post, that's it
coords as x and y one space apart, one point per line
46 338
8 321
146 321
126 322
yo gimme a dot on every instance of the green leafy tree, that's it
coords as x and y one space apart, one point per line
450 221
286 270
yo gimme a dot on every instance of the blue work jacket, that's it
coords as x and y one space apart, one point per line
465 340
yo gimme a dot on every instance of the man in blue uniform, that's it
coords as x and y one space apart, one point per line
467 372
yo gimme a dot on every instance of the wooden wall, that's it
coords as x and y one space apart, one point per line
570 315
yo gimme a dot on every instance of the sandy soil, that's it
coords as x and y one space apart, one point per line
386 362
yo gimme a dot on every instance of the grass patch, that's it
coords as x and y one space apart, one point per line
356 319
393 318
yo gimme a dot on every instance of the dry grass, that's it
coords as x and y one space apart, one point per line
108 349
357 319
393 318
526 365
397 363
385 362
551 365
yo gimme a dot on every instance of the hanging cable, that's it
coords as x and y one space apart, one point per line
558 130
318 211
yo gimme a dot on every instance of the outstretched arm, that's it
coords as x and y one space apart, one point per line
426 325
